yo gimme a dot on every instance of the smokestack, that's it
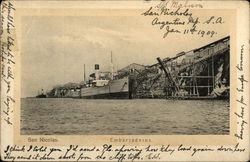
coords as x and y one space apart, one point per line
97 71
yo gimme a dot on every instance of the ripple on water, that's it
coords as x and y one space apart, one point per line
146 116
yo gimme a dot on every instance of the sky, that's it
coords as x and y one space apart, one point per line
54 49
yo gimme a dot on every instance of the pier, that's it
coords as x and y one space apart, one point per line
201 73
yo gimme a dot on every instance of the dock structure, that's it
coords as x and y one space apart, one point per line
69 90
201 73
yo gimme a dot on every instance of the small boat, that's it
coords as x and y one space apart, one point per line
41 95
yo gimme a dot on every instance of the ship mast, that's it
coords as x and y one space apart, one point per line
84 74
111 67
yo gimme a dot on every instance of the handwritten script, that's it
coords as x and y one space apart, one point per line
240 114
7 59
173 17
107 152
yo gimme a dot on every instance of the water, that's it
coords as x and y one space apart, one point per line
65 116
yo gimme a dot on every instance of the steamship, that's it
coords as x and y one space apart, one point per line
104 89
105 86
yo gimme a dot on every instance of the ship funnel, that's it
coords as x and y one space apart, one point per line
97 71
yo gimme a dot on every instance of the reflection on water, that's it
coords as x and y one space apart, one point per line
145 116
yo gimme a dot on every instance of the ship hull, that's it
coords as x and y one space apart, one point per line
116 89
41 96
118 95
